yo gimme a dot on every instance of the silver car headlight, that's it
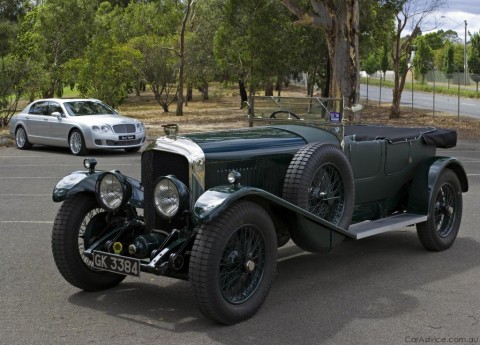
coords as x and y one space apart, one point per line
101 129
113 191
140 127
170 197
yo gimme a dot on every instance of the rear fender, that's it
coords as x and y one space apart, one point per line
301 223
85 181
425 179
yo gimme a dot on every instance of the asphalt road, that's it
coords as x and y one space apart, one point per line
381 290
424 100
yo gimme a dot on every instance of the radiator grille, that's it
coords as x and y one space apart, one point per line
124 128
155 164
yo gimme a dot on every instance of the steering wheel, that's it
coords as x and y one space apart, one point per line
289 113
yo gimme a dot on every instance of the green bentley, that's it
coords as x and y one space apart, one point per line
213 208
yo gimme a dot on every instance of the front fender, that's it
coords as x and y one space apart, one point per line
426 177
216 200
85 181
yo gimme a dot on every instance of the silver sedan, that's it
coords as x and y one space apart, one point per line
80 124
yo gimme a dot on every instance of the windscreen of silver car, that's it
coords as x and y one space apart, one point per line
113 191
170 197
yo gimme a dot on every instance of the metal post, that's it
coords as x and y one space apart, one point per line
465 64
380 95
411 71
458 110
434 92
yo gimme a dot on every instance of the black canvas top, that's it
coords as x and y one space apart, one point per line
444 138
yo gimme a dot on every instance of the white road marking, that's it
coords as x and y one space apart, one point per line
26 221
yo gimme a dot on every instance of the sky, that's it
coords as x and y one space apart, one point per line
455 12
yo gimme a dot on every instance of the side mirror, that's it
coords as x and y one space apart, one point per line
57 115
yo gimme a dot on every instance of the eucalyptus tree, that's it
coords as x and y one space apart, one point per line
310 55
14 10
339 21
108 67
200 66
410 15
474 58
57 30
251 44
159 67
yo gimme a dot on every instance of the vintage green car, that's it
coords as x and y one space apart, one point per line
213 208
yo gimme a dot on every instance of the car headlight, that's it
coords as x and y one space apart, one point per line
170 196
140 127
113 191
102 128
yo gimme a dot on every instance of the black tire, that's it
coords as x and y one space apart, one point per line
284 114
320 179
76 143
133 149
444 214
21 139
73 231
240 245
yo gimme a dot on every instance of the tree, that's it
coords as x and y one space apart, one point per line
384 62
14 10
14 76
339 21
200 67
181 55
423 60
410 14
448 66
159 67
43 36
309 55
251 44
474 58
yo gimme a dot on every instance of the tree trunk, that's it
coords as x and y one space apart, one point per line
269 88
340 23
278 86
182 60
243 93
205 91
189 92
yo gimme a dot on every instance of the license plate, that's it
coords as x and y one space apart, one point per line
126 137
116 263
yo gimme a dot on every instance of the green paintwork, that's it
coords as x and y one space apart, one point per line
421 189
216 200
260 154
85 181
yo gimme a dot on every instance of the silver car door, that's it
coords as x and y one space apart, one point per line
36 121
58 124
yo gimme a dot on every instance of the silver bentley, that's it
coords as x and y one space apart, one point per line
79 124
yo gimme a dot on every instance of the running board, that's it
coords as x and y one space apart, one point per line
370 228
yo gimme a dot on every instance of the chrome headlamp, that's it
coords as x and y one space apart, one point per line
170 197
113 191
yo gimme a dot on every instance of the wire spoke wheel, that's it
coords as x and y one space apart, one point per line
242 264
319 179
78 224
233 262
326 197
445 213
444 206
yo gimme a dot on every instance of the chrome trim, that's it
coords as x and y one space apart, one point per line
196 159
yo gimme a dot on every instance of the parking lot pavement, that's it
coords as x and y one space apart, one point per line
384 289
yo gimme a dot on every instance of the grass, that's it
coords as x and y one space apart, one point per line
439 88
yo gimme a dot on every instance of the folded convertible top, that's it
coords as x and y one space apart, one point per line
443 138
